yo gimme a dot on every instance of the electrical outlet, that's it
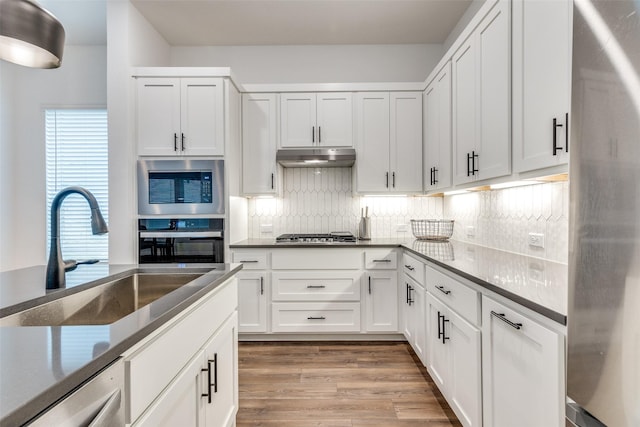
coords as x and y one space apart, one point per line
471 231
401 228
266 228
536 240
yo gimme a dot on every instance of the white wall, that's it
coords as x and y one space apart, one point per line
131 42
473 8
316 64
26 93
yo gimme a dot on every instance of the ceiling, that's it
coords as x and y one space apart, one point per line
272 22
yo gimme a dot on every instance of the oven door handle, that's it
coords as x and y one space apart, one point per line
172 234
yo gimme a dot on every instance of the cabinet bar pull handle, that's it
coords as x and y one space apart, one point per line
556 125
474 156
369 285
381 260
316 318
175 142
319 134
316 286
182 142
393 177
502 317
468 162
410 299
444 331
407 293
208 369
566 132
387 184
443 290
435 175
408 267
249 261
272 185
440 317
313 134
215 372
261 285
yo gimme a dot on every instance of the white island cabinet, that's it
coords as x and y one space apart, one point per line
180 116
522 369
186 373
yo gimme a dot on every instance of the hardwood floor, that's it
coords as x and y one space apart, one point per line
306 384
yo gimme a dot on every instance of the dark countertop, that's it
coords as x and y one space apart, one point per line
41 364
535 283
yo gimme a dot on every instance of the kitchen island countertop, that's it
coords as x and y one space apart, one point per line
535 283
41 364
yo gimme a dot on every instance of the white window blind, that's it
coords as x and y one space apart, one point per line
77 155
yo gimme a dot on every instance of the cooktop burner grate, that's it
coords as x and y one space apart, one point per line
333 237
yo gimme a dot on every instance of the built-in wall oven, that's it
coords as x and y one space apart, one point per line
180 187
180 240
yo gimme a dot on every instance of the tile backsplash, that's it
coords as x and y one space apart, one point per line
321 200
503 219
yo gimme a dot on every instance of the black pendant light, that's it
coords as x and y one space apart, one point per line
30 35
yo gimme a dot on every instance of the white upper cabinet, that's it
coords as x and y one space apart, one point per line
437 131
389 142
541 83
481 100
405 146
180 116
316 120
259 124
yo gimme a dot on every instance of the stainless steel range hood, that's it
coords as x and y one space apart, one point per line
317 158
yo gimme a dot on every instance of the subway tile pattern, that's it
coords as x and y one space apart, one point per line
503 219
321 200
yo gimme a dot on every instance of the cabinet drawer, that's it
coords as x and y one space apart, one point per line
315 286
380 259
251 260
151 369
315 317
316 259
413 267
461 298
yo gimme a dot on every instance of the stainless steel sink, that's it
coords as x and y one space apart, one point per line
102 304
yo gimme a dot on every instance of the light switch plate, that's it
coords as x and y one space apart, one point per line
536 240
471 231
402 228
266 228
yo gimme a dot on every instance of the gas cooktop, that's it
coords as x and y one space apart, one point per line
333 237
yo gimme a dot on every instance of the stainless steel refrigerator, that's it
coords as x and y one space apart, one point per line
603 362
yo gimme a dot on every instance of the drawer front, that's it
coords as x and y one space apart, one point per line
151 369
315 317
461 298
413 268
251 260
308 285
316 259
380 259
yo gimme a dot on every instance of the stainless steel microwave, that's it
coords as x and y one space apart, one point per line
180 187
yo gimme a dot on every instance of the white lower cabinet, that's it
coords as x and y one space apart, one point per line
522 370
253 291
168 376
315 317
413 315
454 360
381 300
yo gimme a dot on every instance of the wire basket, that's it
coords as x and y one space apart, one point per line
432 229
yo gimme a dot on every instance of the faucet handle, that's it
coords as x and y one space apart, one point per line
70 264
